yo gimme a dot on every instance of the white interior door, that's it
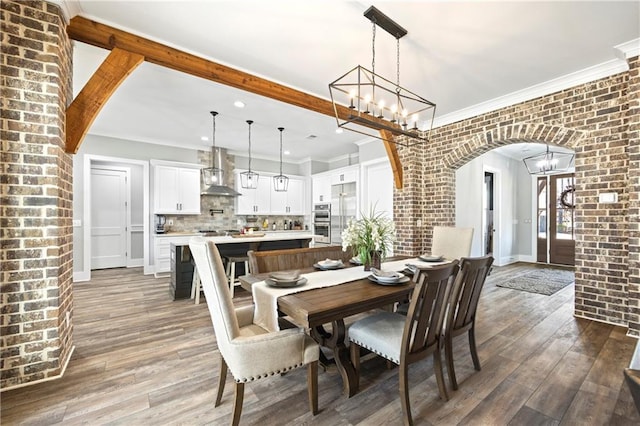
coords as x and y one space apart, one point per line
108 218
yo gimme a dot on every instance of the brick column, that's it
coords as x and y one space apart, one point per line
36 250
633 115
407 202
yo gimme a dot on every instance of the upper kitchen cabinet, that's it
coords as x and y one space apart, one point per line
254 201
321 188
345 176
290 202
176 188
322 182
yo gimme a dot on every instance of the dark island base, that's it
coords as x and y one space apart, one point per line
182 266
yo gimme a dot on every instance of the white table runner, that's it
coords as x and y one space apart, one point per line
266 297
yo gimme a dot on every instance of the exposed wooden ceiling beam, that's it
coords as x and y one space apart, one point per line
106 37
86 106
394 158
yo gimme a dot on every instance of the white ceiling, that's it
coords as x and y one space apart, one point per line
456 54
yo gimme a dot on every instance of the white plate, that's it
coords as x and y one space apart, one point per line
431 258
328 268
288 276
392 278
329 263
284 284
402 280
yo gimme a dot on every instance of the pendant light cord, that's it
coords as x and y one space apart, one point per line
249 122
281 129
213 138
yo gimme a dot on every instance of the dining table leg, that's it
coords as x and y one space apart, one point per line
337 343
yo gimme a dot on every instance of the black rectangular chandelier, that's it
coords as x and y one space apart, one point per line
376 103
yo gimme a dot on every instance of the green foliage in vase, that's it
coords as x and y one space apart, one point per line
371 233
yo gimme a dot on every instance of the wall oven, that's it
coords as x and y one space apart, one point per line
322 223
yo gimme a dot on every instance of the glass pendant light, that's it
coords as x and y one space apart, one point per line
549 162
249 179
280 182
212 175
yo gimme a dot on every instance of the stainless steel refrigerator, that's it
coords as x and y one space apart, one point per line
343 208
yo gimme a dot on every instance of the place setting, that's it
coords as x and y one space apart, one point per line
329 264
285 279
379 276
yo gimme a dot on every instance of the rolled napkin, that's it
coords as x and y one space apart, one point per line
285 275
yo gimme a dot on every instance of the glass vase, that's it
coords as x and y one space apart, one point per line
375 259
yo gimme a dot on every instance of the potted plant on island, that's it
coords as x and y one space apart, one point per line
371 237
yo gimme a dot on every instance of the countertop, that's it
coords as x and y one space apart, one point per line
269 236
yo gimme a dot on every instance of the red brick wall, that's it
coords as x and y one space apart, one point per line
36 213
595 120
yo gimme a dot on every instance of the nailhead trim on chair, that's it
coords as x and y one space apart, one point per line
376 352
251 379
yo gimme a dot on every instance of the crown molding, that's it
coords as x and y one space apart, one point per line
70 8
629 49
605 69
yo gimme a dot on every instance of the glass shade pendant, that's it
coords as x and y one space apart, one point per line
249 179
549 162
280 182
212 175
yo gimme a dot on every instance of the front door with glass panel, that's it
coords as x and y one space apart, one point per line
556 216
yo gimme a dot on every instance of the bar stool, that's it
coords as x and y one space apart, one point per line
196 285
231 269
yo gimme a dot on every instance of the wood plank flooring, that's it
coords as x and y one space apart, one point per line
142 359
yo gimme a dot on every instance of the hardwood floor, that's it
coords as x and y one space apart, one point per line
142 358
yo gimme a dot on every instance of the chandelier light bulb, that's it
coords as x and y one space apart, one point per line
352 95
367 101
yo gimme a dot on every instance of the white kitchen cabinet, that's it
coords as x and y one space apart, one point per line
290 202
162 252
321 188
344 176
176 190
254 201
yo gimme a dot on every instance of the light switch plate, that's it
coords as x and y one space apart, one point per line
608 197
77 223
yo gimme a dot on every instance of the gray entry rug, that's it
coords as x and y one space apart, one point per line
541 281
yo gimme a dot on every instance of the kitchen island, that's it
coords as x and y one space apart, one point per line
170 248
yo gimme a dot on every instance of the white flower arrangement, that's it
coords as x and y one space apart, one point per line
374 233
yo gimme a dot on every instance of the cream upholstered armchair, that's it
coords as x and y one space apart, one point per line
452 243
248 350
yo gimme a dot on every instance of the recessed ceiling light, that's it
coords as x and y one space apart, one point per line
339 130
238 104
204 138
286 153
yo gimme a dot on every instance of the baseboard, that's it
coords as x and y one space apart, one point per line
81 276
47 379
135 263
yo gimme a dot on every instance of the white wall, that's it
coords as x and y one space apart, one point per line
116 148
512 208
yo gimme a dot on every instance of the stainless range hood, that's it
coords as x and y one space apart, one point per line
219 188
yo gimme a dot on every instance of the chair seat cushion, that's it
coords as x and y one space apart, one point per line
252 330
380 333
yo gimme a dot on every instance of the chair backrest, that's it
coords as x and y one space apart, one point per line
466 291
216 290
426 311
282 260
452 243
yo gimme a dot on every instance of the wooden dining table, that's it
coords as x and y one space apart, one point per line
314 308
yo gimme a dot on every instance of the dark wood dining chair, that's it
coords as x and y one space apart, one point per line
404 340
461 317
